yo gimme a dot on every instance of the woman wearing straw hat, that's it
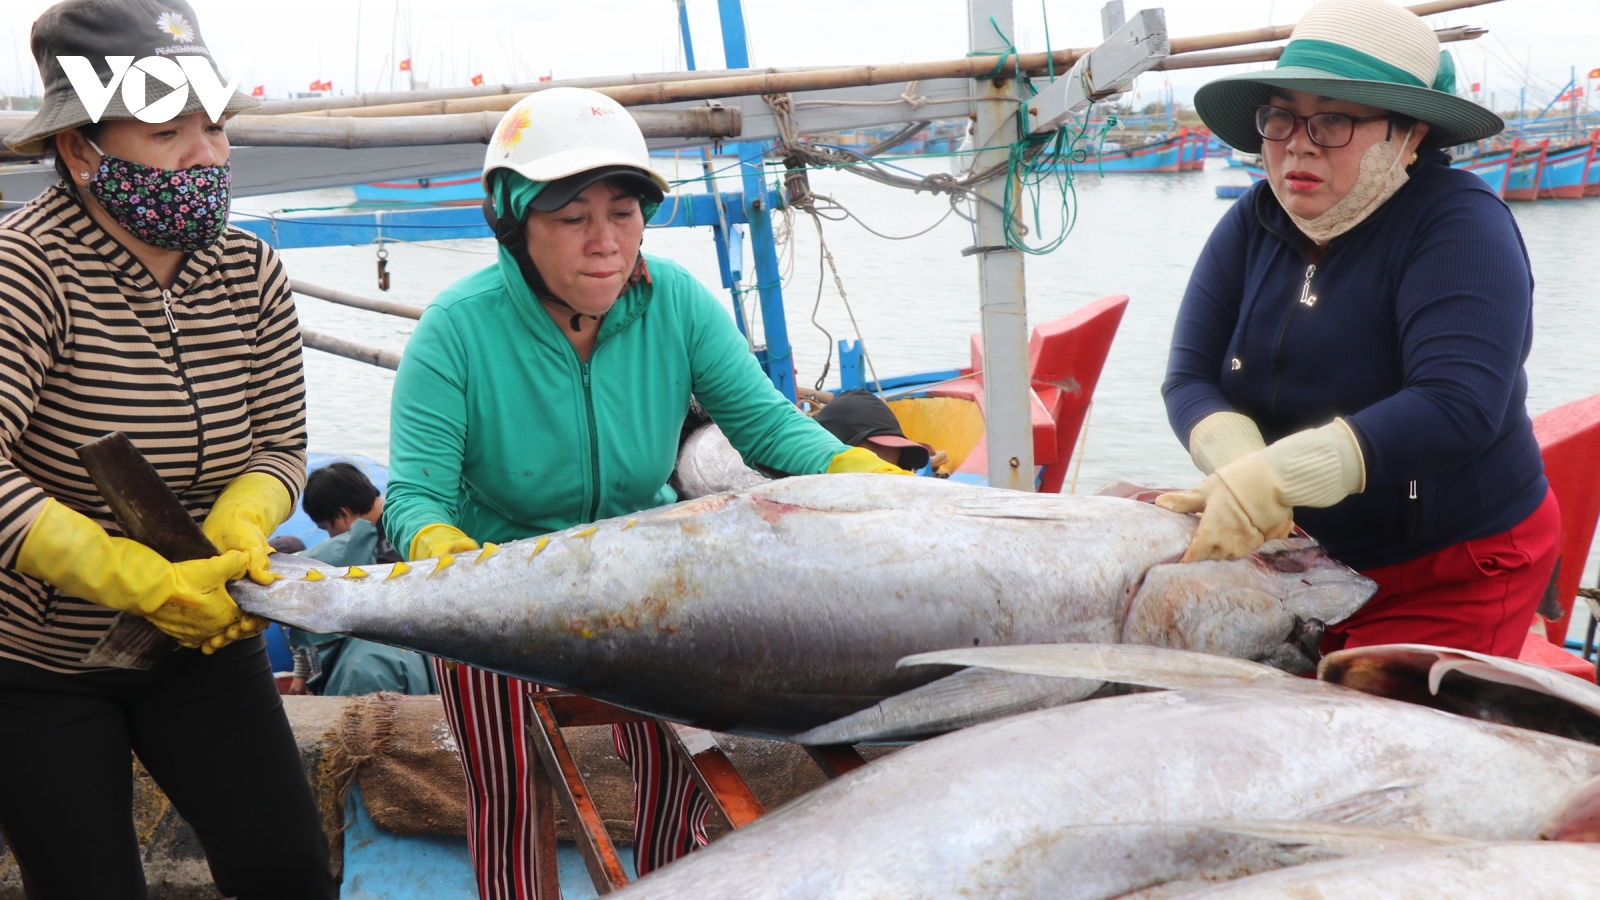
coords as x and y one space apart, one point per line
1349 351
548 390
126 304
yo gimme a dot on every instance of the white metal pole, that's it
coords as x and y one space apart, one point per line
1006 390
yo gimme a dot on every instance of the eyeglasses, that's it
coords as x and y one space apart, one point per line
1330 130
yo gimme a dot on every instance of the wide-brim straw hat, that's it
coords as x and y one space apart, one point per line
1364 51
97 29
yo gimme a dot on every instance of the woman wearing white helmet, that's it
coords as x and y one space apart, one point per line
548 390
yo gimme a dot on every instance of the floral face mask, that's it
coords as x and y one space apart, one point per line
184 209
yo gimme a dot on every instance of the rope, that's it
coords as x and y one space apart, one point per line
839 285
1083 442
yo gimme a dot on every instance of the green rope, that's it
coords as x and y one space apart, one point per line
999 64
1049 57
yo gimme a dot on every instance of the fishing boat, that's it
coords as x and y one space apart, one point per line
1493 166
1522 181
1162 154
1567 169
459 188
1194 150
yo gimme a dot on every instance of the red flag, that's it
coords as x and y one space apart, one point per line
1595 74
322 85
405 65
1570 95
1476 87
477 80
259 90
545 77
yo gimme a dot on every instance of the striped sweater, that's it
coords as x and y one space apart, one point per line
205 378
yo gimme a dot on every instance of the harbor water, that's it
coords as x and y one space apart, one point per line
916 301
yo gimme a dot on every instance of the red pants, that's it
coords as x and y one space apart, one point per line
488 716
1477 595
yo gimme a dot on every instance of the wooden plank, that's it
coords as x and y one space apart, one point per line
837 759
599 854
715 774
572 710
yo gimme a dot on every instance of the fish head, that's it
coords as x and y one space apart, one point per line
1271 606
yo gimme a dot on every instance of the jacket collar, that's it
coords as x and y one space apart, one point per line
629 307
80 228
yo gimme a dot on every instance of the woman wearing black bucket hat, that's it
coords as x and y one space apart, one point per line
126 304
1368 310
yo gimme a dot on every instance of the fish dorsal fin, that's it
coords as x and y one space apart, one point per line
1155 667
1491 688
1578 818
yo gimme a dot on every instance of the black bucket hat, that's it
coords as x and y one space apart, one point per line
858 417
97 29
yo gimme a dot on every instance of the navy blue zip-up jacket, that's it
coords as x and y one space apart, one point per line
1413 326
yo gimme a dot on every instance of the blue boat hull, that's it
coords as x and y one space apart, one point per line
463 187
1566 171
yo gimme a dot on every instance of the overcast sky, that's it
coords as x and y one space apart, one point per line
285 44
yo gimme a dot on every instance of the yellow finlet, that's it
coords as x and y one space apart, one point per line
314 575
539 548
490 548
445 562
631 523
355 572
399 569
586 532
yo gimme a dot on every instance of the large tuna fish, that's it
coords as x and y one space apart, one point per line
785 606
1000 810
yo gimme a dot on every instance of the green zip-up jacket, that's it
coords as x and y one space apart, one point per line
499 429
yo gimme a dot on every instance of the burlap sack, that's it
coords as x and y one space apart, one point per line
401 753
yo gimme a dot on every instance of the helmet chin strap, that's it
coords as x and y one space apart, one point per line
510 235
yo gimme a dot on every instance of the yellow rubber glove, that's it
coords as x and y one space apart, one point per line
251 507
860 459
187 600
440 539
1221 438
1251 500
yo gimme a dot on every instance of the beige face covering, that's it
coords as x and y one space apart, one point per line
1383 171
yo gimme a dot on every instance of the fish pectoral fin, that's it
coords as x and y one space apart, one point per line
964 698
1342 838
1155 667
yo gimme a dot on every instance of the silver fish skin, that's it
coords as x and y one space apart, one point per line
998 810
1526 871
708 464
778 608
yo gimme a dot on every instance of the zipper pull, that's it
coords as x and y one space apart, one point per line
584 367
166 307
1413 491
1306 297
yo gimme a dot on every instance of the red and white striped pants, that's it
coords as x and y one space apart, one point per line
488 714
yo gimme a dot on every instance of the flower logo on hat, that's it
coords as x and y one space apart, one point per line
509 133
176 26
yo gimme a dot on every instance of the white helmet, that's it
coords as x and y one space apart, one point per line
557 132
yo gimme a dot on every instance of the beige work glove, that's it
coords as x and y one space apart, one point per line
1251 500
1221 438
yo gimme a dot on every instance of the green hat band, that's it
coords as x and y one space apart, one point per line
1340 60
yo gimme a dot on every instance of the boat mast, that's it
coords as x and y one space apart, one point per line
1007 401
777 360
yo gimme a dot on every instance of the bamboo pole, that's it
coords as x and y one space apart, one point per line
371 304
382 98
327 343
1268 54
349 132
686 90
